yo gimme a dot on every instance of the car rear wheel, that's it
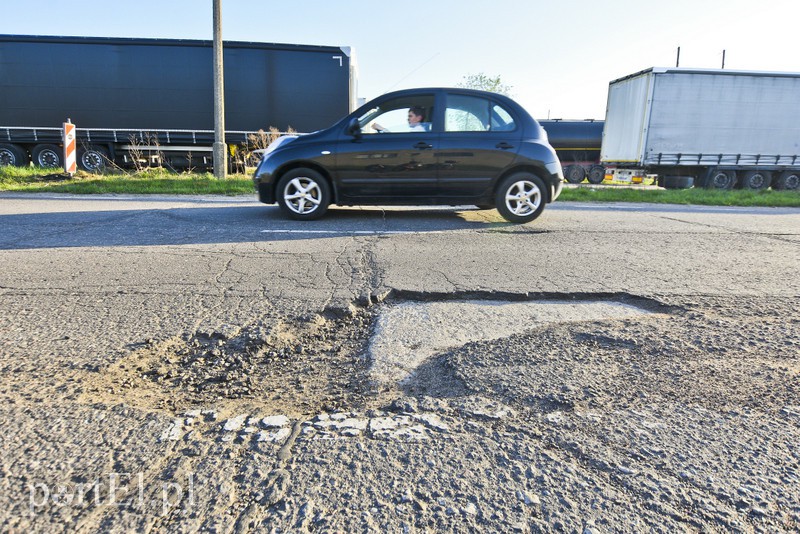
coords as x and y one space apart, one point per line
303 194
520 197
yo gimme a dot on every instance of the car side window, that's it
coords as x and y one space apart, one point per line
466 114
476 114
402 115
502 121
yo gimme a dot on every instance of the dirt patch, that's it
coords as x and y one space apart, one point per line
295 366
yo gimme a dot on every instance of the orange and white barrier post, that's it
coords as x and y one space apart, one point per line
70 159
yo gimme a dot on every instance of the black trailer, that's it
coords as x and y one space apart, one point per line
577 145
150 98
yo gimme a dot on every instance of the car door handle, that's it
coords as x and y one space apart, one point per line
503 145
422 145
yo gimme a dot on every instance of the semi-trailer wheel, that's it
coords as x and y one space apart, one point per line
14 155
756 180
47 156
597 173
93 158
575 174
721 179
787 181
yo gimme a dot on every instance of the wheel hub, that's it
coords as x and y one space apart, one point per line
92 161
48 158
302 195
720 180
523 198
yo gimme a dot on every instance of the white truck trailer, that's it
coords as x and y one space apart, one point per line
710 128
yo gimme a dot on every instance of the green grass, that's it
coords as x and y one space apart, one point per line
148 182
162 182
702 197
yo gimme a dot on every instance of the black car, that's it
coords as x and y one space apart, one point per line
417 147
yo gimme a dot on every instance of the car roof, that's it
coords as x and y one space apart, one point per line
462 90
459 90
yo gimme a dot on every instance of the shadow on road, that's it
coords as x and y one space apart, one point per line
224 223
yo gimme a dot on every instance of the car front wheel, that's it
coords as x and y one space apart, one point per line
520 197
303 194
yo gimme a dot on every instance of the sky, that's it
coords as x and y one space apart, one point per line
558 56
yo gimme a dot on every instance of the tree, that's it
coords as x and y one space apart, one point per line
485 83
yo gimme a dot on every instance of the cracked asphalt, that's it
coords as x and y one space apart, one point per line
201 364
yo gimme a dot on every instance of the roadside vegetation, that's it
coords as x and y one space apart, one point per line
164 182
697 196
142 182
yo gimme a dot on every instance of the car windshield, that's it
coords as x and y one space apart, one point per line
364 119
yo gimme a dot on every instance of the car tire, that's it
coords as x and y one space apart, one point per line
13 155
787 181
574 174
47 156
520 197
93 158
303 194
597 173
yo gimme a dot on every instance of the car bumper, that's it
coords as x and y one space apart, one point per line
556 179
265 193
555 190
262 179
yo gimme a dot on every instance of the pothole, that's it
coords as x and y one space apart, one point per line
409 333
355 360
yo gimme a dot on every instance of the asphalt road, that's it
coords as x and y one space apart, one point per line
641 249
114 308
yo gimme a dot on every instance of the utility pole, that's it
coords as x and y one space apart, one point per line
220 152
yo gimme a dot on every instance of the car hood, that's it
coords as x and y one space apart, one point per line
279 142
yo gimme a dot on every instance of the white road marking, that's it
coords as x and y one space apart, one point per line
352 232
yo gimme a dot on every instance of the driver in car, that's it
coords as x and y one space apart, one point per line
416 114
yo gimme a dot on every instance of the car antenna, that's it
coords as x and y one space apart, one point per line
412 72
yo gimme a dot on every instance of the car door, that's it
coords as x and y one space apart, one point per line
390 161
479 140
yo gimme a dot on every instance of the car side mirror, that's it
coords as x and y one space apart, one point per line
354 128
